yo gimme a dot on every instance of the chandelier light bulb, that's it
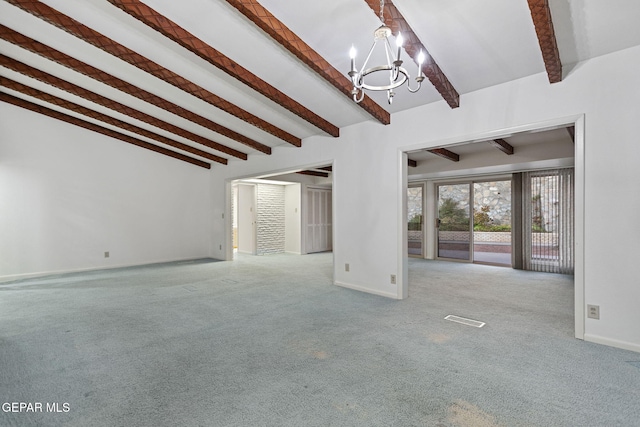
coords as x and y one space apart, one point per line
421 58
399 42
352 55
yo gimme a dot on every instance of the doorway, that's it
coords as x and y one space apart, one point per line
474 222
290 214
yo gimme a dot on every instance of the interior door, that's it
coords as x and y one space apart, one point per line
319 233
454 222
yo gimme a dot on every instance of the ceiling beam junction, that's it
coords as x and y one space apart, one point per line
68 105
73 89
10 99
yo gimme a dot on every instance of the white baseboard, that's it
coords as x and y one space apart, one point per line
367 290
612 343
11 277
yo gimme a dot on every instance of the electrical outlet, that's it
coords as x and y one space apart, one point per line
346 267
106 254
393 279
593 312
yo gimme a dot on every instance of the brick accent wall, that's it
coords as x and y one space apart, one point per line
270 219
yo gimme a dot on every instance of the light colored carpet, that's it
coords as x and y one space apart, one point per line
269 341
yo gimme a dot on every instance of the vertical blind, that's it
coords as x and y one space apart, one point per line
548 221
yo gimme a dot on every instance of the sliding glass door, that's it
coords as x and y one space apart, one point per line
474 222
492 222
454 221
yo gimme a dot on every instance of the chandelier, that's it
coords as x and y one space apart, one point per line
397 75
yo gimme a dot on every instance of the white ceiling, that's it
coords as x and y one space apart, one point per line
559 136
476 43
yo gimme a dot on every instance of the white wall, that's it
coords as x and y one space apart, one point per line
67 195
368 181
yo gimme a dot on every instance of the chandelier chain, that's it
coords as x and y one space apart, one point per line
382 11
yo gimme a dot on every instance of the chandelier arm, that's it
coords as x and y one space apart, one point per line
387 50
416 89
393 64
393 75
366 61
355 96
402 78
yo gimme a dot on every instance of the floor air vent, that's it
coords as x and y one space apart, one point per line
465 321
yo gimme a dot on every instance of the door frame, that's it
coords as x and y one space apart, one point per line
253 227
578 122
471 181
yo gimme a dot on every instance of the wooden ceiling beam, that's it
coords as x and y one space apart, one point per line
444 153
114 48
314 173
10 99
413 46
327 168
277 30
179 35
51 99
63 59
412 163
541 15
73 89
502 145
